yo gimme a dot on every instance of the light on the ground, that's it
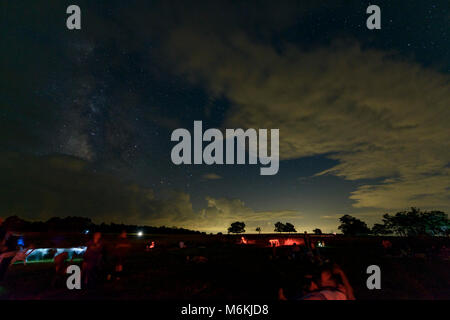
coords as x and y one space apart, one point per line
140 234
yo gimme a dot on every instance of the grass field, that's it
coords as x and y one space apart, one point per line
235 271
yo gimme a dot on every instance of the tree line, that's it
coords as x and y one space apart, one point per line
239 227
82 224
413 222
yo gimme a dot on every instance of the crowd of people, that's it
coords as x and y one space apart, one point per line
329 283
99 260
102 260
319 278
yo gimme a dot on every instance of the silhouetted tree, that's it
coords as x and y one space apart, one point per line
435 222
69 224
380 229
353 226
284 227
237 227
289 227
416 222
279 227
15 223
258 229
317 231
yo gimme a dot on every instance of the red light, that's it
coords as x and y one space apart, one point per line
274 242
286 242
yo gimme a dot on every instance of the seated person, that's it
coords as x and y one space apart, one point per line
331 284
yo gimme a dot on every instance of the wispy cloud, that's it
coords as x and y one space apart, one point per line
380 116
75 189
211 176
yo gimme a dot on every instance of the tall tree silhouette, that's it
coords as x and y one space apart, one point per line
279 227
289 227
353 226
237 227
415 222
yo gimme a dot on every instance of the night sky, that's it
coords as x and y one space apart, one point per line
86 115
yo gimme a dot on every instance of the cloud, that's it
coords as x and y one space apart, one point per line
420 191
211 176
221 212
380 116
332 217
42 187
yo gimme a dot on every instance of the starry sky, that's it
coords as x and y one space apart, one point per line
86 115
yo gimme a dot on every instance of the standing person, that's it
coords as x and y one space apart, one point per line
92 259
8 251
387 246
307 241
60 269
120 252
274 250
2 233
295 251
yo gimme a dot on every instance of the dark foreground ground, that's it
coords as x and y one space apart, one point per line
241 272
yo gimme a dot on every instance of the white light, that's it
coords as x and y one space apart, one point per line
140 234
